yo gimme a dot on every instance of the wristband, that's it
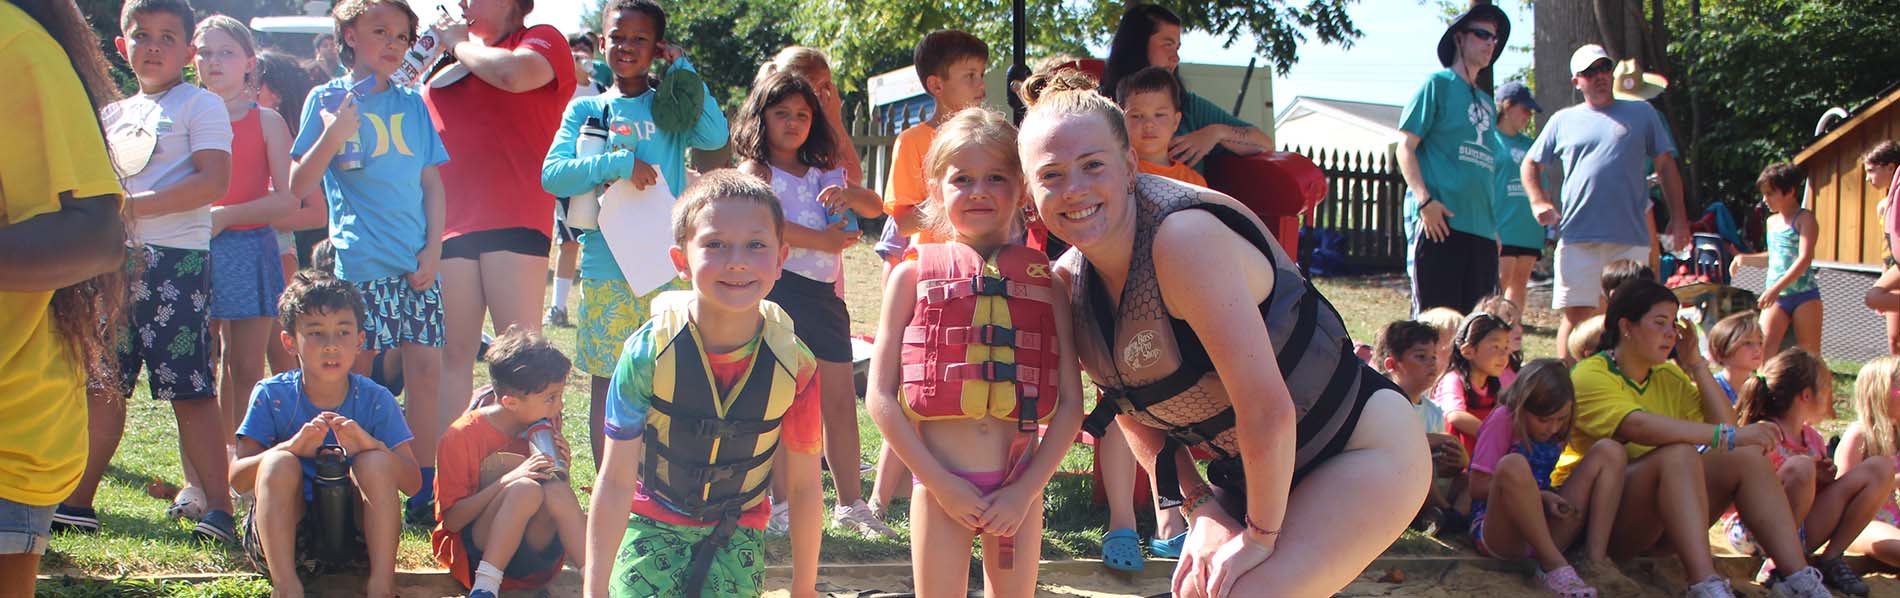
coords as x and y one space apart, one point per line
1715 439
1428 201
1194 504
1731 437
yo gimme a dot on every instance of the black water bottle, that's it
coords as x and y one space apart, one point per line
334 503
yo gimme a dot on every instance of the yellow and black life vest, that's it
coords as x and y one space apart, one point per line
709 453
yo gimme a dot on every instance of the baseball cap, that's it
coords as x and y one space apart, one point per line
1585 56
1516 92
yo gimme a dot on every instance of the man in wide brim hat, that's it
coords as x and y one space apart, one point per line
1448 45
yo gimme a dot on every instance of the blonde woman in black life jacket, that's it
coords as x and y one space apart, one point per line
1199 331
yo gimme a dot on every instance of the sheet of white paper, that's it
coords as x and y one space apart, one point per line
638 224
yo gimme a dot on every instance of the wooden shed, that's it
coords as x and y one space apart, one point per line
1842 201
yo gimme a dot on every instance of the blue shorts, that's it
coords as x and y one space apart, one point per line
246 274
1788 303
400 314
25 529
167 332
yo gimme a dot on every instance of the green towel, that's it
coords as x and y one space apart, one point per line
676 103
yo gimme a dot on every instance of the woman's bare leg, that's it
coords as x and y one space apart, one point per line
1664 498
1380 479
1118 478
1744 479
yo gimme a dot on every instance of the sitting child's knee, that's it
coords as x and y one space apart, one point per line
1512 467
1798 471
1611 451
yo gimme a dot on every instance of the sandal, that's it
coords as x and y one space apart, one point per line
1121 550
1565 583
1169 548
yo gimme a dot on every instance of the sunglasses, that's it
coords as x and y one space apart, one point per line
1481 34
1599 68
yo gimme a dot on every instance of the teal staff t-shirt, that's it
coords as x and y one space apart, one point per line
1454 120
1517 225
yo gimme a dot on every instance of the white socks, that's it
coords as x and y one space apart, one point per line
561 286
487 577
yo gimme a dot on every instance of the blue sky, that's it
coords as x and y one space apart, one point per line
1385 65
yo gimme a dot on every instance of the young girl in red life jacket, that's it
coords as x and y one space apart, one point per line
1480 362
969 363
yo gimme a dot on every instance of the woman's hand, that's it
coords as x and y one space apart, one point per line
1434 216
1234 559
1763 435
1208 532
1190 148
1688 348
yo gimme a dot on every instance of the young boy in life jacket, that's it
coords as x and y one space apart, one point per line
706 393
973 352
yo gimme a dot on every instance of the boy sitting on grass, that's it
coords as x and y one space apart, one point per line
1406 351
508 516
294 414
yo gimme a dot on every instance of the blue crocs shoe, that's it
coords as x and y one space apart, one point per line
1169 548
1121 550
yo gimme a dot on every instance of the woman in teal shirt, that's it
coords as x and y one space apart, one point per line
1520 237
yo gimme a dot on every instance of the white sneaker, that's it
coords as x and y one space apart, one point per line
190 503
781 522
1713 587
858 518
1805 583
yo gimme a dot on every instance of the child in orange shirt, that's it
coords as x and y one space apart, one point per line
508 516
1150 100
950 64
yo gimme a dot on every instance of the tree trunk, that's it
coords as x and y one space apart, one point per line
1561 26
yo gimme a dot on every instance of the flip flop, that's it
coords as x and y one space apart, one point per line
1169 548
1121 550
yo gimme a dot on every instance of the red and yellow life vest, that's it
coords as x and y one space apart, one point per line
982 340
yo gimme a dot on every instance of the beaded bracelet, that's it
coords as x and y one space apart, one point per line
1194 504
1256 529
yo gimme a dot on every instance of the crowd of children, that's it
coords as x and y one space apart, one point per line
714 394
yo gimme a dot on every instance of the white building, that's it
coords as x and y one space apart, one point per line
1356 127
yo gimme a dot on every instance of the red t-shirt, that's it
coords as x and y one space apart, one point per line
458 476
497 139
802 430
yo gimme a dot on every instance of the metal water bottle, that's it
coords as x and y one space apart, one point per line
334 502
583 210
540 437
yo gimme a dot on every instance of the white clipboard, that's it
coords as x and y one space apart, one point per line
638 225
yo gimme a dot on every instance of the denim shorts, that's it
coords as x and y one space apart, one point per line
25 529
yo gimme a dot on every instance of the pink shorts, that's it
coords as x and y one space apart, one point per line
985 481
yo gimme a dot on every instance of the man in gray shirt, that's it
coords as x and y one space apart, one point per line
1603 144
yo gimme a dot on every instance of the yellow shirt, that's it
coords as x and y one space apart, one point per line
1176 170
1605 396
53 146
907 186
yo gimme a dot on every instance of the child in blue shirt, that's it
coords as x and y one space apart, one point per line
637 150
373 147
295 414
